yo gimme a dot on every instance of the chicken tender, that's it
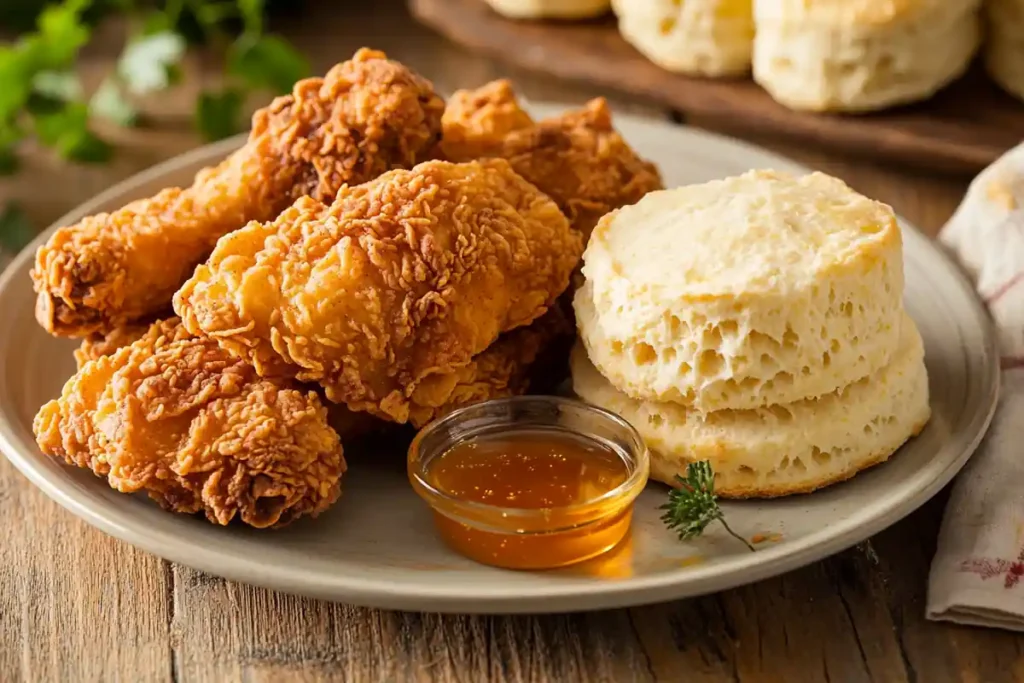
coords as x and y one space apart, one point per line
388 291
578 158
527 359
367 116
198 430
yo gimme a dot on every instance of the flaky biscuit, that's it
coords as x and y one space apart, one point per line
758 289
698 37
861 55
780 449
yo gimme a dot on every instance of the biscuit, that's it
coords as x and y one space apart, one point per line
758 289
861 55
697 37
550 9
781 449
1004 49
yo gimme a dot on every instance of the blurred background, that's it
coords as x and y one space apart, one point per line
92 91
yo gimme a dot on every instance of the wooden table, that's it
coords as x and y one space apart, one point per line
76 605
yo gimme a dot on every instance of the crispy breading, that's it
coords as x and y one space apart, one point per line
198 430
347 424
99 345
476 122
577 158
397 284
532 358
368 115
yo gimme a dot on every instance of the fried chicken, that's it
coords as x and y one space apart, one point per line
525 359
391 289
578 158
198 430
99 345
347 424
367 116
476 122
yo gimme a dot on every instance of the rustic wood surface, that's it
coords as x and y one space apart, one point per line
76 605
963 129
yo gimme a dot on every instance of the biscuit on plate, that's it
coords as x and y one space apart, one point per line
550 9
861 55
780 449
1004 48
697 37
757 289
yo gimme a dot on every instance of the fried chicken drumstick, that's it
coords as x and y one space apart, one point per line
525 359
367 116
386 293
577 158
198 430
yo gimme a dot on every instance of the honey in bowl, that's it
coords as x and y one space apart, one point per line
530 483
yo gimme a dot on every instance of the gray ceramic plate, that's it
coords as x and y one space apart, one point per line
377 547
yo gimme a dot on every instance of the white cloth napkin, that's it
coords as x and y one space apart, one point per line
977 576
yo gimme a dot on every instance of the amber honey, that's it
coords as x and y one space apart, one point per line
528 495
532 470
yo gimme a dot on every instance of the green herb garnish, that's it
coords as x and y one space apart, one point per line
694 505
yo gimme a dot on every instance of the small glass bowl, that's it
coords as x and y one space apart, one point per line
522 538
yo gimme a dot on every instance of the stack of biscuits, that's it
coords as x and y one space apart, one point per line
825 55
829 55
755 322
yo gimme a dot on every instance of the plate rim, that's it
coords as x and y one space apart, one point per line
423 597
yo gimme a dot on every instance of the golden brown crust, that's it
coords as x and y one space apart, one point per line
532 358
99 345
368 115
198 430
578 158
397 284
476 122
347 424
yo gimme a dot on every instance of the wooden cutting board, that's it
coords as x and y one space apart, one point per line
960 130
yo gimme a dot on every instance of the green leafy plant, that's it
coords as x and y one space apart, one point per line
15 228
42 97
694 505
